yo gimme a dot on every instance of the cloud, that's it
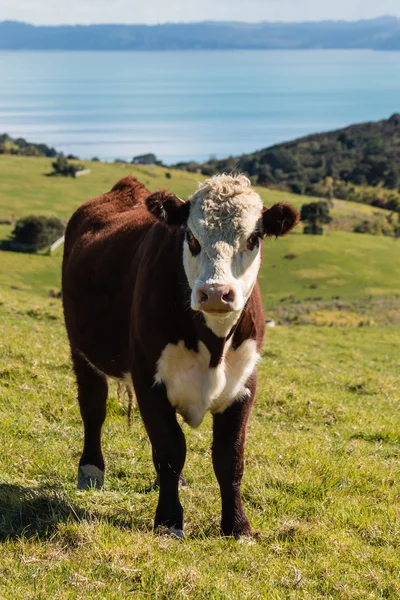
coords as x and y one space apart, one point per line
159 11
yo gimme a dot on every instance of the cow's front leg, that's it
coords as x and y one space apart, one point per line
228 460
169 453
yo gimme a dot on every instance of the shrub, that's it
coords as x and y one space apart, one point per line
62 167
313 229
388 226
365 227
208 170
315 215
35 233
146 159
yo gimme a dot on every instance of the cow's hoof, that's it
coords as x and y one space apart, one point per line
238 530
90 477
177 533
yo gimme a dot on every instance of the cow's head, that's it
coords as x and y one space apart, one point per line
225 223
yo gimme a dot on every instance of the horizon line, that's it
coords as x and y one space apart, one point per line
202 22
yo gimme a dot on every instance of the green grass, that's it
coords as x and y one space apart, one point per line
320 486
25 189
336 264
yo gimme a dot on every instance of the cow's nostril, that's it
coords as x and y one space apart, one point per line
202 296
228 297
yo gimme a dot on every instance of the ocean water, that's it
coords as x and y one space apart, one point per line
190 105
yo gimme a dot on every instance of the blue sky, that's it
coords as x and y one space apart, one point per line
159 11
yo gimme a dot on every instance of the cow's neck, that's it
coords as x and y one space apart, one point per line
216 345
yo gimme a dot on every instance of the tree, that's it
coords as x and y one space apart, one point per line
315 215
146 159
35 233
62 167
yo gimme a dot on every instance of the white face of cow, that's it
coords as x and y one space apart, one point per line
221 253
224 222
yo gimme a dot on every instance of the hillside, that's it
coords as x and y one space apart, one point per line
378 34
328 164
320 272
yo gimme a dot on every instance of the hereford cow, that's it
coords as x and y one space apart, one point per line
163 295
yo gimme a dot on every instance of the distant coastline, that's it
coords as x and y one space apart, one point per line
374 34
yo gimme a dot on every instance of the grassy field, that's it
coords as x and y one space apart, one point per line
25 188
323 266
339 264
321 485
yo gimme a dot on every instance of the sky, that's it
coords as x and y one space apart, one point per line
161 11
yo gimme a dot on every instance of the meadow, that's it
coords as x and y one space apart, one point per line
25 189
321 484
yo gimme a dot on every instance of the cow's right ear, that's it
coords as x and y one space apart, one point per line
168 208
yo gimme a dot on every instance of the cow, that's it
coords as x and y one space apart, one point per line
162 294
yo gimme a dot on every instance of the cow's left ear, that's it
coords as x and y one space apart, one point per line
168 208
279 219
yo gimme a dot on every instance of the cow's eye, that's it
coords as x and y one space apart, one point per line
253 241
193 244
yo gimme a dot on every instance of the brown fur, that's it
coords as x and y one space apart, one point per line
125 298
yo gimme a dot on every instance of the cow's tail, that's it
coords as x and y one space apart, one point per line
123 389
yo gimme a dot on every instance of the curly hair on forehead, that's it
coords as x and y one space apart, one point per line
225 203
223 187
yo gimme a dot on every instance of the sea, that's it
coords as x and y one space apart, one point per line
190 105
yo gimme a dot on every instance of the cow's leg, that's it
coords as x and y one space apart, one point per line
229 433
169 453
92 396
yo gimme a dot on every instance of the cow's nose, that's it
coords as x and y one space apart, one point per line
216 298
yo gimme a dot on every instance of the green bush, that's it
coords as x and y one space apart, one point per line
388 226
61 166
35 233
313 229
146 159
315 215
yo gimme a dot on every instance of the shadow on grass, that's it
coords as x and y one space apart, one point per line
376 437
29 512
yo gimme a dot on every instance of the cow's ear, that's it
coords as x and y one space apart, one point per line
279 219
168 208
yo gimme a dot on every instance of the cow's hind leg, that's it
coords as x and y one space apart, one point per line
92 396
169 453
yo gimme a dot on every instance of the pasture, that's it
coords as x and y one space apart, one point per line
321 484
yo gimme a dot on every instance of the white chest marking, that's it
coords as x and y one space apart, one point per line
193 387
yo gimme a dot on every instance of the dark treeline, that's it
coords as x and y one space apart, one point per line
20 147
359 163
